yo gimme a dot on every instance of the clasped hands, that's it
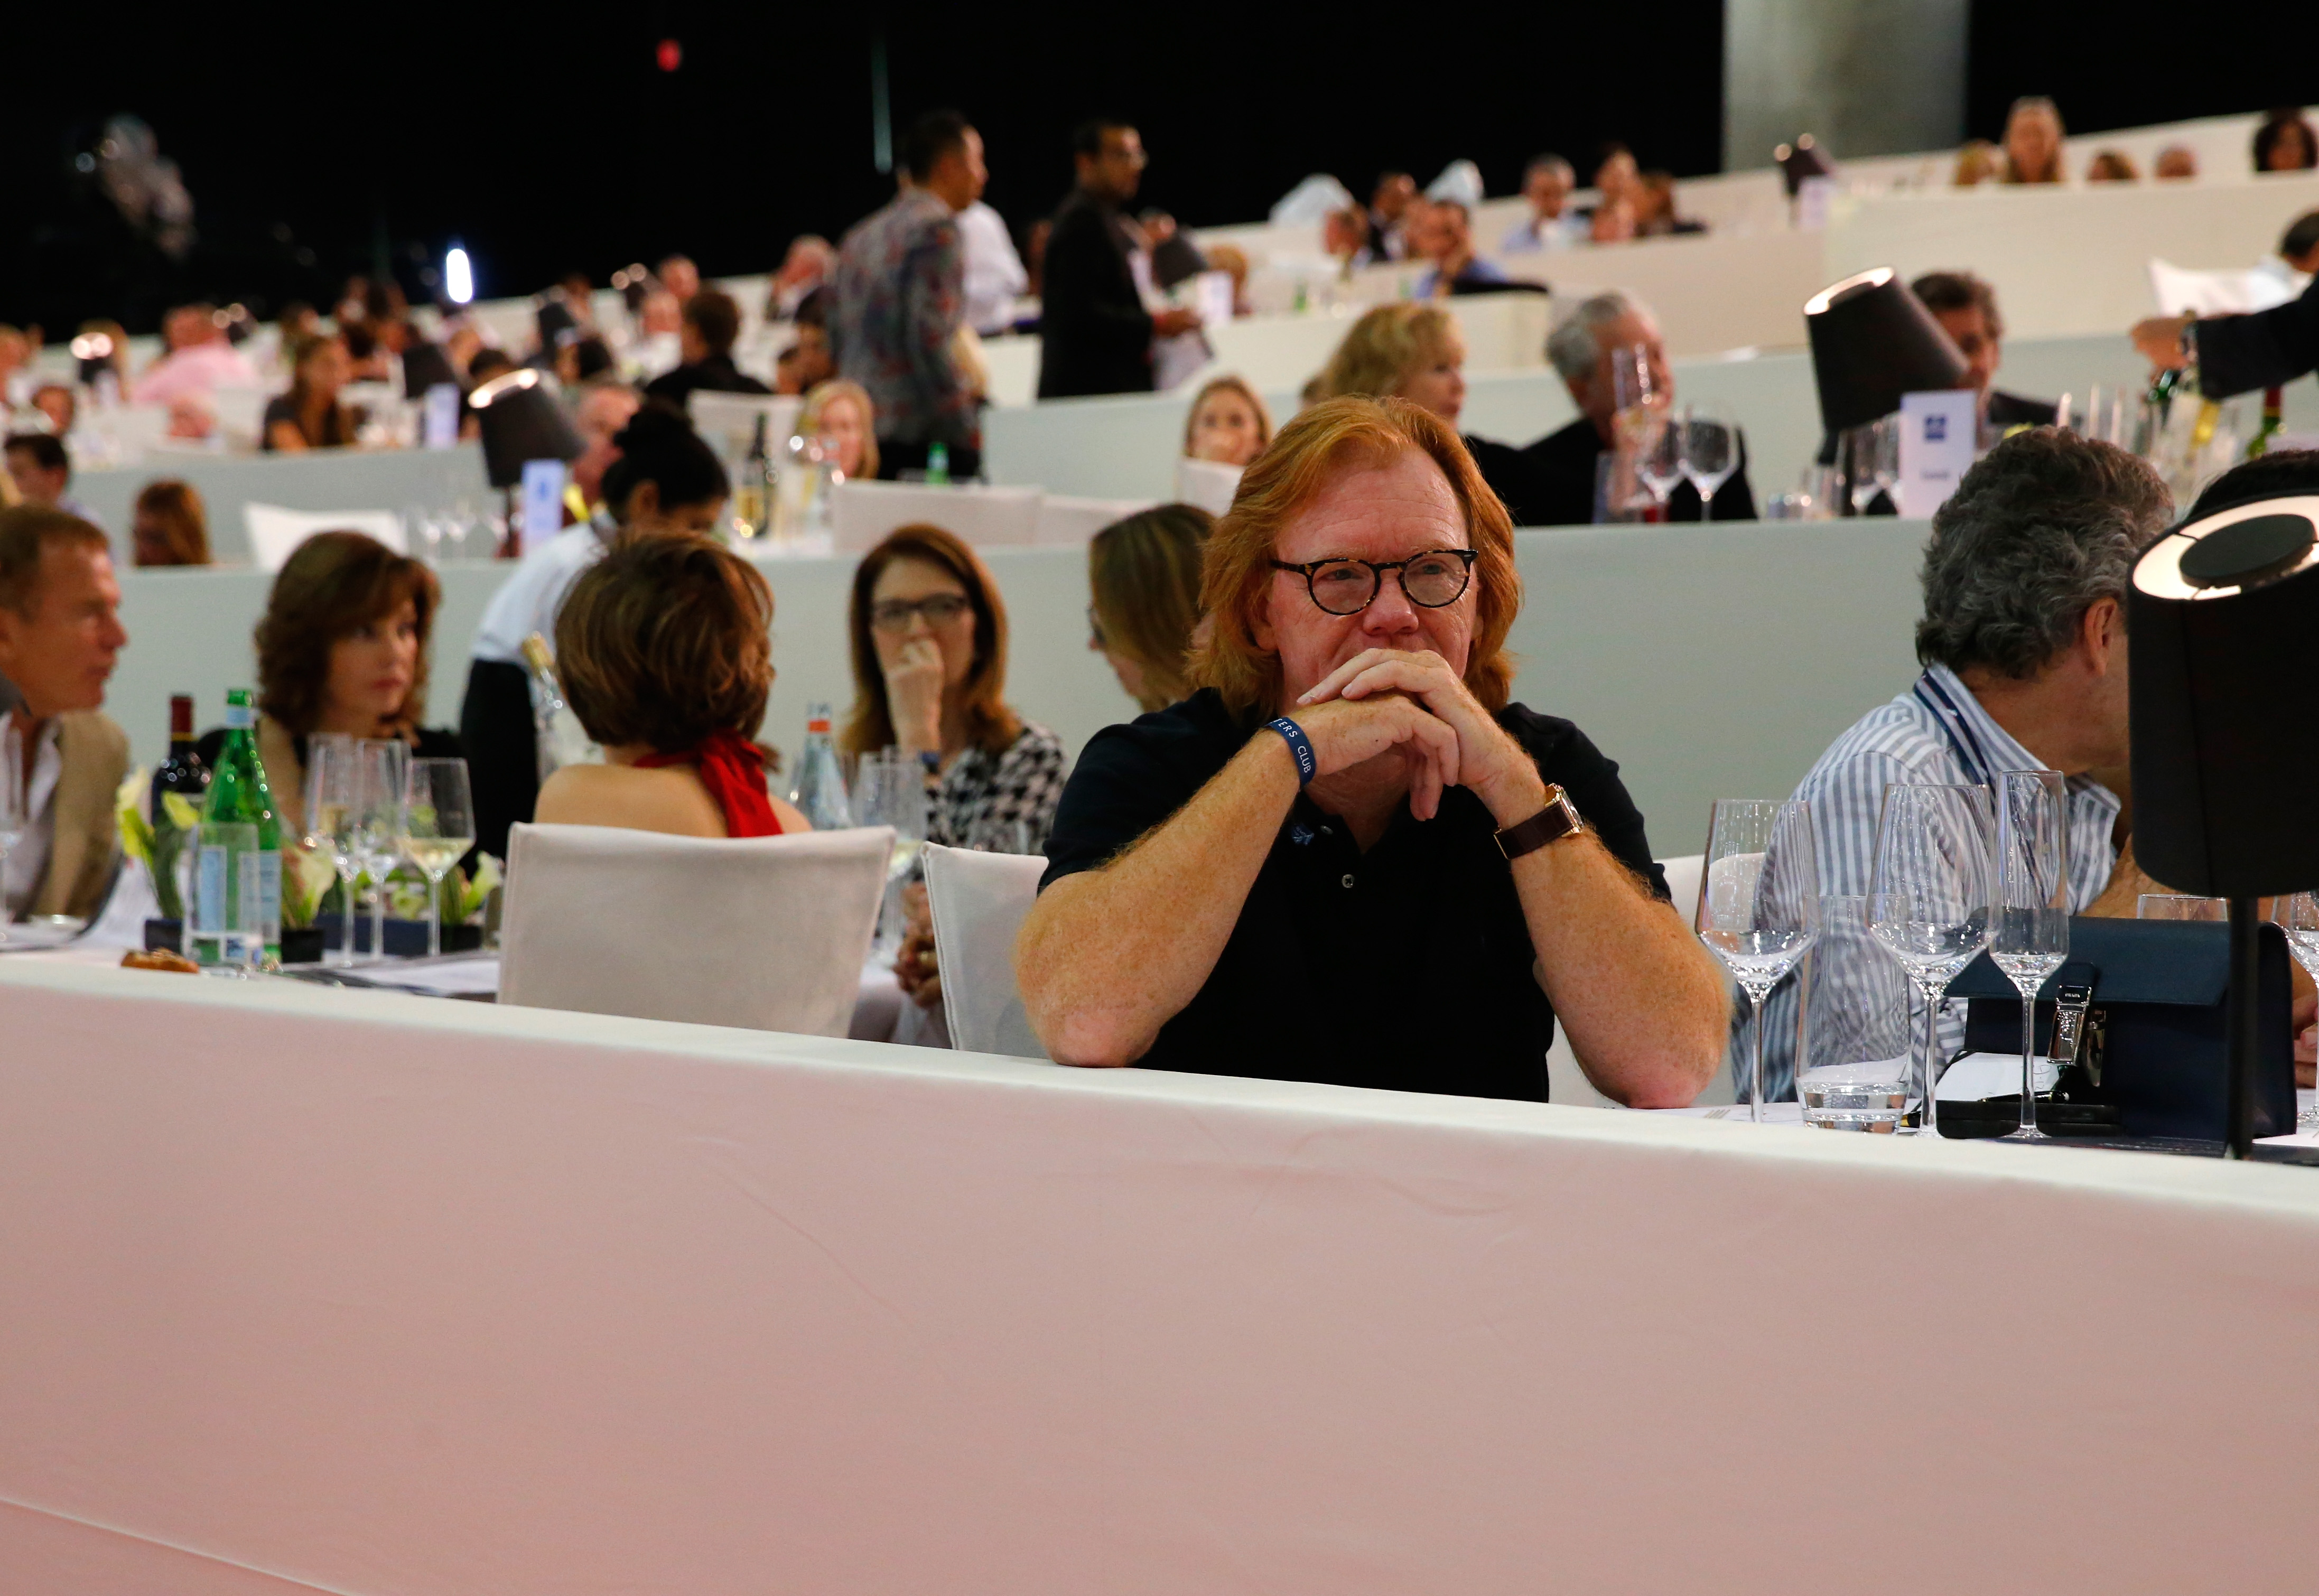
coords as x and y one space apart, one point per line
1386 699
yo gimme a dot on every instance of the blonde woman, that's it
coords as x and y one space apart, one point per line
2033 142
1227 424
1143 574
842 417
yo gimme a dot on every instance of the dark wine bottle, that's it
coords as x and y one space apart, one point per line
183 775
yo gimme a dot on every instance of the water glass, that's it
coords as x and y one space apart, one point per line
437 828
2298 914
1929 897
1853 1057
1759 909
2030 935
332 784
889 788
2179 905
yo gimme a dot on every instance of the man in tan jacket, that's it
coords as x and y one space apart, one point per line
59 634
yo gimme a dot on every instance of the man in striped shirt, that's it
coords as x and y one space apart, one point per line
2024 646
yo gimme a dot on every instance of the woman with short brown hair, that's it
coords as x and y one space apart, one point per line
664 650
928 633
170 526
1348 857
341 649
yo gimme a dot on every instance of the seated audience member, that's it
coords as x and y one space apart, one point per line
838 415
2174 162
15 357
2024 648
1551 224
929 651
201 359
2033 142
2298 260
60 405
343 647
1144 574
1654 216
310 416
584 360
1229 892
603 414
1394 193
1561 467
1441 232
2112 166
368 360
297 320
1613 220
60 634
805 267
1966 308
1617 176
1227 424
664 649
681 277
807 363
1345 240
170 526
2286 142
42 471
1978 161
663 480
711 326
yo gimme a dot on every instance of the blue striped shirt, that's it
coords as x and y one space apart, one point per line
1934 733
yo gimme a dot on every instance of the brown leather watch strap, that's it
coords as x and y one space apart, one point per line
1556 821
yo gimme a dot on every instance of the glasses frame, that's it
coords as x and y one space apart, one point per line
1376 570
907 609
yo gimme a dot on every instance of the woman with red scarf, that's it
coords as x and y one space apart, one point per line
664 649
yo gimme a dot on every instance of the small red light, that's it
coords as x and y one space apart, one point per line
670 55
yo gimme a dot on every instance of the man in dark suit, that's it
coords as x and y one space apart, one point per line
1095 335
1966 308
710 328
1553 481
2240 354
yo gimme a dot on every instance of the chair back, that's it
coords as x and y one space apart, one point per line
768 934
727 422
1683 877
862 512
275 532
1207 485
1567 1076
1065 519
978 901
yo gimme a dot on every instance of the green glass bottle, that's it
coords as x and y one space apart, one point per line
938 463
2274 421
230 875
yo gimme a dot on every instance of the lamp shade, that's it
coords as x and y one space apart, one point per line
521 420
1800 160
1872 341
424 367
2222 611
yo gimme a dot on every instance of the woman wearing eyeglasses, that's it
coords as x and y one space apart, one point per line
1348 858
929 646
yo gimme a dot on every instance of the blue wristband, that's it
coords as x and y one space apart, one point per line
1300 748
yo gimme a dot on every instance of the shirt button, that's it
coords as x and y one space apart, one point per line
1349 880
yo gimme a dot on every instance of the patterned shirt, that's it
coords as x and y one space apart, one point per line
1934 733
898 297
983 797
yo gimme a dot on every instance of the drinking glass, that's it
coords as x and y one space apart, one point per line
439 827
1710 450
13 818
228 906
381 768
1853 1058
2298 914
331 827
890 790
1928 899
2178 905
1760 911
1875 461
2029 938
1634 385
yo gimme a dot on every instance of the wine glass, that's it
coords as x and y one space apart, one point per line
13 818
1928 899
332 780
1875 461
890 790
2029 937
1760 910
381 767
1658 459
1708 447
439 827
2298 914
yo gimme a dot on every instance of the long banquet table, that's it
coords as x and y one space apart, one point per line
306 1290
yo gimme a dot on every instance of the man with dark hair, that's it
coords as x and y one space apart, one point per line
60 633
898 299
1546 184
42 471
1966 308
2023 647
1095 335
709 326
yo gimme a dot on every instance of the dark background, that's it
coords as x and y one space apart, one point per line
315 143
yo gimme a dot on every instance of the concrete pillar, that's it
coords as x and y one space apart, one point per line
1863 76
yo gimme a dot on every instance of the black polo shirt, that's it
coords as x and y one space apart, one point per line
1408 966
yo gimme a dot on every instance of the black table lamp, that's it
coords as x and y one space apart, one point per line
521 420
2223 611
1800 160
424 367
1872 341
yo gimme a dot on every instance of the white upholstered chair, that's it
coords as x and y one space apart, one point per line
763 932
862 512
275 533
978 901
1566 1078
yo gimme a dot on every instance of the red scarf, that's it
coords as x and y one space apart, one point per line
733 769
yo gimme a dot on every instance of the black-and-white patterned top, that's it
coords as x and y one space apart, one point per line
983 798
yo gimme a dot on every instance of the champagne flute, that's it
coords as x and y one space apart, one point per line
437 828
2029 938
381 767
1760 910
1928 899
331 827
2298 914
1710 451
